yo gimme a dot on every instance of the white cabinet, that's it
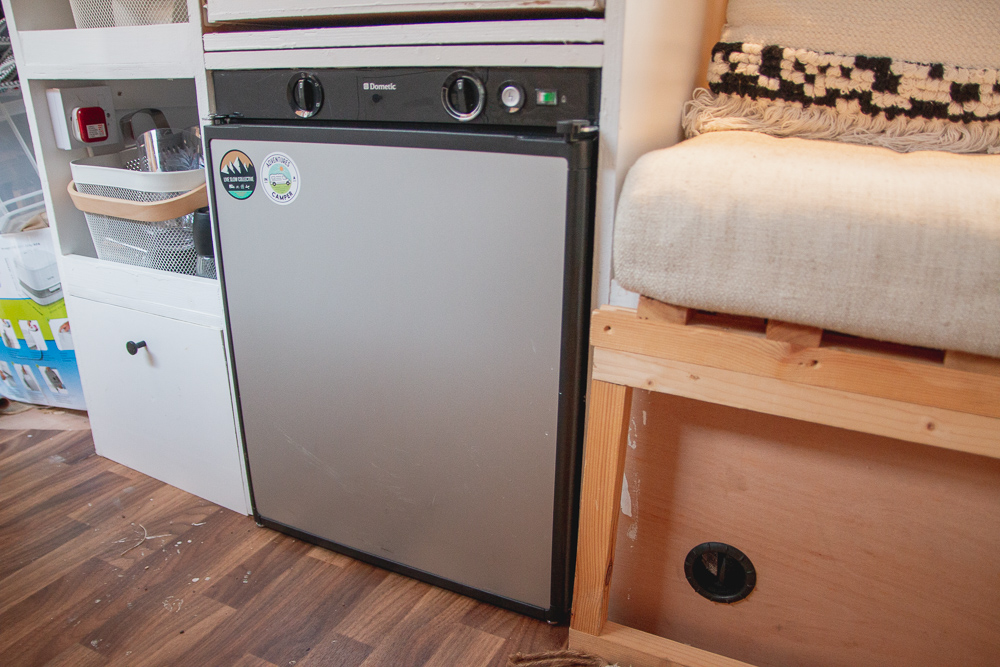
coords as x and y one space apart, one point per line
168 411
165 411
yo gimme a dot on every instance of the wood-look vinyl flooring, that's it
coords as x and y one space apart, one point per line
207 586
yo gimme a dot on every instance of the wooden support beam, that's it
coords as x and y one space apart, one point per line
622 645
608 409
796 334
651 309
937 427
972 363
925 384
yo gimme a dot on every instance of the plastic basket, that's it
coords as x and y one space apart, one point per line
139 218
111 13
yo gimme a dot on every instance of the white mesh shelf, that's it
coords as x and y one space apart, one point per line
111 13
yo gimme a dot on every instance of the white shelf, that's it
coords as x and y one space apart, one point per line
494 55
174 295
241 10
568 31
141 52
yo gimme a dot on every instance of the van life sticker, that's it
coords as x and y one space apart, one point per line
281 178
238 174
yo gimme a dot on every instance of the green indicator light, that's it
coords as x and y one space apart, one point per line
547 97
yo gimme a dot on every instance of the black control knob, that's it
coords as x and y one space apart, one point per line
305 95
463 95
132 347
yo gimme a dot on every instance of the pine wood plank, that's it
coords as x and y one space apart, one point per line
651 309
604 460
974 363
627 646
715 20
906 381
794 334
858 412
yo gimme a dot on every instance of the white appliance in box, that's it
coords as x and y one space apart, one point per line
38 275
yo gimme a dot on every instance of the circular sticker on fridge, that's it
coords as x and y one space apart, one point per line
281 178
239 177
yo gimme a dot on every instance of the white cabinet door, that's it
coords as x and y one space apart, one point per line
167 410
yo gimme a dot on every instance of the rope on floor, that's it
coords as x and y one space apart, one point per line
566 658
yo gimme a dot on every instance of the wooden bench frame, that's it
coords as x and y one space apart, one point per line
938 398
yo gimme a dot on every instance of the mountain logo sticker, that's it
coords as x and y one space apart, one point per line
281 184
239 176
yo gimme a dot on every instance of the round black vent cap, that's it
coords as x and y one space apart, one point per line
720 572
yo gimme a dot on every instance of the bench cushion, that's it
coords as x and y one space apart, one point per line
858 239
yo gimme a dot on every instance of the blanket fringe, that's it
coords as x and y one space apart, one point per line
710 112
563 658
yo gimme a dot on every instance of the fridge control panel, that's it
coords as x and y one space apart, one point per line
482 96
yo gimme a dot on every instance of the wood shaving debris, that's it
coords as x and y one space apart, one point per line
144 536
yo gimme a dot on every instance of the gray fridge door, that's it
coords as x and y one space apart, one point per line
396 333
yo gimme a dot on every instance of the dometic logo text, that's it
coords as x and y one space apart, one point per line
378 86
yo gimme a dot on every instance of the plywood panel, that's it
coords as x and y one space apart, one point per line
869 551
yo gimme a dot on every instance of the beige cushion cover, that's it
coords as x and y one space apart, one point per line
857 239
954 32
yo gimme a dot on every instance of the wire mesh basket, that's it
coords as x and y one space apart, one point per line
111 13
139 218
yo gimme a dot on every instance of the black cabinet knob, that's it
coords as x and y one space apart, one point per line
463 96
305 95
133 347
